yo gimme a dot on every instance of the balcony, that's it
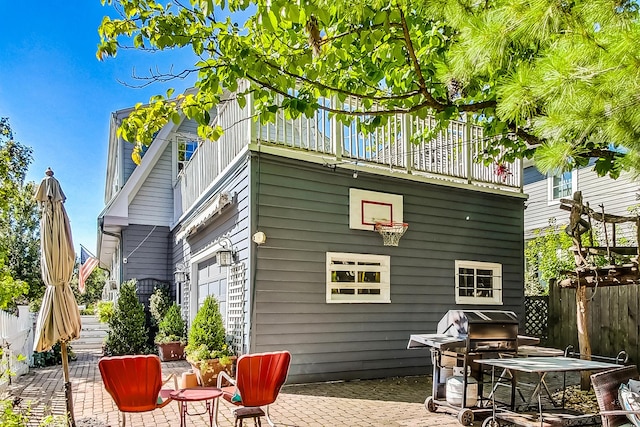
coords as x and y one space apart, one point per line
451 157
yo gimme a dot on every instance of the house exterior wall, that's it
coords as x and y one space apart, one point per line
190 126
127 161
186 127
303 208
304 211
147 251
616 196
231 222
153 203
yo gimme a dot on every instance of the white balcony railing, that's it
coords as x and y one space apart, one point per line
452 155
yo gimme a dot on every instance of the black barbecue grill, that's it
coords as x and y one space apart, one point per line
461 337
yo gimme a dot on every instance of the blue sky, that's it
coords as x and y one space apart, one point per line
59 97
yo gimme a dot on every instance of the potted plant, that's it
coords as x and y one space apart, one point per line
170 338
207 350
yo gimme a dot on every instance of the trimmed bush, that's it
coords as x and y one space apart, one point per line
128 332
171 327
207 336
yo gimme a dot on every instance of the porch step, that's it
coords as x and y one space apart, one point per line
92 335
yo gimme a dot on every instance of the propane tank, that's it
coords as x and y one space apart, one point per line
455 387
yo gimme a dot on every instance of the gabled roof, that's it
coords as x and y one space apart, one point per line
115 214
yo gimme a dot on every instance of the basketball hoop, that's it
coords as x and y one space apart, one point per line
391 232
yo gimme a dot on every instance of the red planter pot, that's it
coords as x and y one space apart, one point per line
207 370
171 351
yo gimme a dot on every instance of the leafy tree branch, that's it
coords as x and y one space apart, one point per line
560 76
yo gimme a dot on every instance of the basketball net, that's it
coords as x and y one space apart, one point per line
391 232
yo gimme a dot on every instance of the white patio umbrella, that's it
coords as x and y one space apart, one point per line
59 318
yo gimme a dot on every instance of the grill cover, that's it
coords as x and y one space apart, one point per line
480 330
458 323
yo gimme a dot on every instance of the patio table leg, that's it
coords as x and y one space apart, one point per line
183 413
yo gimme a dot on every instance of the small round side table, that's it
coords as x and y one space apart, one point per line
196 394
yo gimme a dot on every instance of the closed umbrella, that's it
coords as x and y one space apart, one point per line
59 318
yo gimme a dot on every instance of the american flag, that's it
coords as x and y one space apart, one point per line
87 263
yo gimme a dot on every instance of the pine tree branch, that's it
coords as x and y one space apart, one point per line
470 108
531 140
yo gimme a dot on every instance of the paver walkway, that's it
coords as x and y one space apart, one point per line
388 402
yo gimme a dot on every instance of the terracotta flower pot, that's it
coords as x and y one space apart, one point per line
207 370
171 351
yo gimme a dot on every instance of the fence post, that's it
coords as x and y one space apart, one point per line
468 148
406 136
336 134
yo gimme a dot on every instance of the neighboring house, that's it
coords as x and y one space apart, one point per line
295 201
618 197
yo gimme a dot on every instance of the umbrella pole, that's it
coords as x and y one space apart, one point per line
67 384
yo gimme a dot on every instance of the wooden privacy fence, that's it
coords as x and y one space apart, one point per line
613 320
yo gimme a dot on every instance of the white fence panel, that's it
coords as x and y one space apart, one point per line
16 338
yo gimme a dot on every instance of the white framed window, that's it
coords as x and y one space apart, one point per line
358 278
478 282
562 186
185 149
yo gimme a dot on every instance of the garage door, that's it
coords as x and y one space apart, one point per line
212 280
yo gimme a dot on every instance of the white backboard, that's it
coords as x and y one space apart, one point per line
368 207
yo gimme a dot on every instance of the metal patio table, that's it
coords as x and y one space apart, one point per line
196 394
540 366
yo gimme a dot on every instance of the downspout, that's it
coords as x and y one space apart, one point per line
254 191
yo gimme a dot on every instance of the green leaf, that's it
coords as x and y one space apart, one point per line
272 20
380 17
242 101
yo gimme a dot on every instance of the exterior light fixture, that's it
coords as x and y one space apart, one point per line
259 238
224 258
181 274
224 255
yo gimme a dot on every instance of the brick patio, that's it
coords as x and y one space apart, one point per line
388 402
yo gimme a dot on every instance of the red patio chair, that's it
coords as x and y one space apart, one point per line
135 383
259 378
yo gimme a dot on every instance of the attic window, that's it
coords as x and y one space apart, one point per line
562 185
186 149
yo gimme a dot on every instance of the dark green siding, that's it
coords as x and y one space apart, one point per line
304 210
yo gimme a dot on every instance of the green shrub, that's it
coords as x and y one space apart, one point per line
171 327
128 332
90 310
207 336
11 416
105 311
34 305
53 356
159 303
